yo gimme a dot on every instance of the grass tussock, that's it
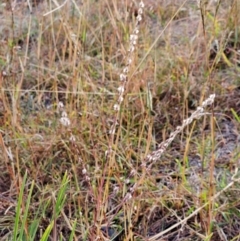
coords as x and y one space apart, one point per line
119 120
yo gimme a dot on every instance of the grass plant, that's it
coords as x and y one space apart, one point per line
119 120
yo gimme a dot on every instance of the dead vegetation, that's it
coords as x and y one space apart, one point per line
72 52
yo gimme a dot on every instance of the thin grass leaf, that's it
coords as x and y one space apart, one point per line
18 210
61 197
33 229
26 211
73 230
47 232
235 115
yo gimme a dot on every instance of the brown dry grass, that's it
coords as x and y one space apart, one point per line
75 55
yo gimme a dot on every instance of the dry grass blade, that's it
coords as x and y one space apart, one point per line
98 105
195 212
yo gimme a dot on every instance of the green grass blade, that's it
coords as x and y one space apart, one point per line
26 210
33 229
18 210
235 115
47 232
61 197
73 230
